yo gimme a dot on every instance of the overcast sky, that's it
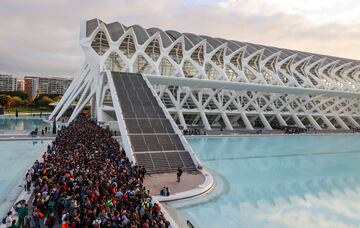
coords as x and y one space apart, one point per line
40 37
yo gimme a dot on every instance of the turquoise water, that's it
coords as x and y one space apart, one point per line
21 125
16 157
278 181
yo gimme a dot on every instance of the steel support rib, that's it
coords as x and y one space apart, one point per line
352 121
74 84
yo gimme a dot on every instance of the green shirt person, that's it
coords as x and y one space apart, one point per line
22 213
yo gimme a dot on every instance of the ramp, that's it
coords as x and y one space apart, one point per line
152 138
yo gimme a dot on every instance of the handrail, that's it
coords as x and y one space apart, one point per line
189 224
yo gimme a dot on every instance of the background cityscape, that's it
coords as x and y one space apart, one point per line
34 85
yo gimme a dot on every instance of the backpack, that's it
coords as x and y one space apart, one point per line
3 221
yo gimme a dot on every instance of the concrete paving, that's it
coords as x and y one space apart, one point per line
155 182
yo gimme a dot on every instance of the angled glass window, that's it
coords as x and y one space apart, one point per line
301 68
286 66
236 60
198 55
167 100
230 73
254 62
271 64
266 75
141 65
127 47
211 105
189 103
218 58
211 72
100 43
166 68
114 63
315 69
176 53
189 70
351 74
249 74
107 98
153 50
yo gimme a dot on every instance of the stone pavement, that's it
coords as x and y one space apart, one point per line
155 182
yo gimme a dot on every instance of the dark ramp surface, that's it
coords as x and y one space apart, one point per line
153 139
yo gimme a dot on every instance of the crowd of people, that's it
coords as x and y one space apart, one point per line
86 180
355 129
192 131
294 130
290 129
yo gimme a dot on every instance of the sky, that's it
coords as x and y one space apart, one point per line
41 37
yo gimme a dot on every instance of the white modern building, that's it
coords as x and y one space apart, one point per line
210 83
8 83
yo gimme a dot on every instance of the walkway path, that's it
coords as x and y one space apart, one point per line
155 182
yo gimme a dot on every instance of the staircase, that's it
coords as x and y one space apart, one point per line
153 140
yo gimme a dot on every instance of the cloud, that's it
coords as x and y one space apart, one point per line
41 37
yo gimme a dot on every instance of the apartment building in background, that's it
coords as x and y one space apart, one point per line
8 83
31 85
43 85
20 85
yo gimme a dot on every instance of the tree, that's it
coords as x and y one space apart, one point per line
18 101
5 100
20 94
45 101
57 98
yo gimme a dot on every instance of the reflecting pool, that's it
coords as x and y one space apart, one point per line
278 181
21 125
16 157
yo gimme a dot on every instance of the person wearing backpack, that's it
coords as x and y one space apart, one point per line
35 220
9 219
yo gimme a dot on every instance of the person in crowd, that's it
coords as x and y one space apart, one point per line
28 179
35 219
23 212
192 131
9 219
178 174
163 191
85 180
13 225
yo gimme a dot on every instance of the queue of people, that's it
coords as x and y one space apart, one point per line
192 131
85 180
294 130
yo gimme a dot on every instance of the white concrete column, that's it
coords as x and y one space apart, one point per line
265 122
298 121
93 107
226 121
246 121
280 119
313 122
182 120
327 122
352 121
205 120
342 123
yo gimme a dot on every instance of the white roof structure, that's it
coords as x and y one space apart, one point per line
211 82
